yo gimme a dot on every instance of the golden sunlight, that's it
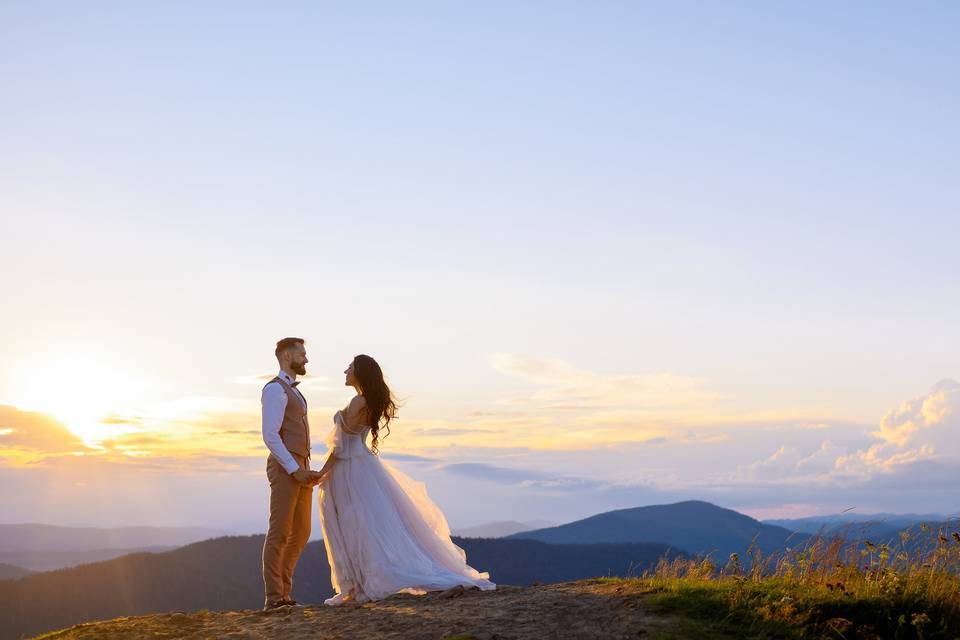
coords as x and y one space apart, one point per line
84 390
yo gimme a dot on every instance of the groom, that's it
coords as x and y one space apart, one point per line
286 432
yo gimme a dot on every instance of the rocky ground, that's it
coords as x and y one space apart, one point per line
583 609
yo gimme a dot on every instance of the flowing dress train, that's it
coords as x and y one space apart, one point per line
382 532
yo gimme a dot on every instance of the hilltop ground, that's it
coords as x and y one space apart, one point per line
848 602
583 609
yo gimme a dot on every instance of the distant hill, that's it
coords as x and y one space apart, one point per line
45 537
52 560
44 547
875 530
225 574
695 526
854 531
881 523
502 529
10 571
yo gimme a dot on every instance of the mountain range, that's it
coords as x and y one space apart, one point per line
501 529
10 571
225 574
45 537
43 547
855 524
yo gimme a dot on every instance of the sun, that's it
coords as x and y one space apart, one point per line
82 389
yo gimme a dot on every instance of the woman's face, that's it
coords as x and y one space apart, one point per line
351 379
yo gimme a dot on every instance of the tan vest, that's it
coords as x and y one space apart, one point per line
295 428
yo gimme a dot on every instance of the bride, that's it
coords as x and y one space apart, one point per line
382 531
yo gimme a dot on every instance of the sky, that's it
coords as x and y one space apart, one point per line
607 255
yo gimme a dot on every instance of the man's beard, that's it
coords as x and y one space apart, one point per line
299 368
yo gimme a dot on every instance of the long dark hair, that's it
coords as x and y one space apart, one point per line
381 405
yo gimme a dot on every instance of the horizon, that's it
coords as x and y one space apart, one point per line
607 257
850 512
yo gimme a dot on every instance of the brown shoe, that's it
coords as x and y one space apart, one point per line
273 605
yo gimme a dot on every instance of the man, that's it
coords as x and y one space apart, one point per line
286 432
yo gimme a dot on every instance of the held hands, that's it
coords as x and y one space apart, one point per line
307 477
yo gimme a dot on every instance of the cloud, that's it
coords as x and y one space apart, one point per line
492 473
117 419
909 460
570 408
135 440
913 445
451 431
925 420
524 478
544 458
791 464
308 380
566 407
920 429
407 457
564 386
35 432
236 432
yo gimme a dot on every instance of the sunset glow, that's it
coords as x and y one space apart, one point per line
606 257
86 390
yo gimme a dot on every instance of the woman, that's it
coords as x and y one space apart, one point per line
382 531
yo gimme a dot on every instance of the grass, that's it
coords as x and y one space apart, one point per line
828 588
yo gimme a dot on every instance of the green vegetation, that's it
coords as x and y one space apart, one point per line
828 588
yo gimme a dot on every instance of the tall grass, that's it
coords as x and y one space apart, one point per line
830 586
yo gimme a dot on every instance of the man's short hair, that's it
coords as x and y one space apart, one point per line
285 344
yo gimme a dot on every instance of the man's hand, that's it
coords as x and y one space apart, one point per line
303 476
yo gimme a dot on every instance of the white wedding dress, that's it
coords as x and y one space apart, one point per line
382 531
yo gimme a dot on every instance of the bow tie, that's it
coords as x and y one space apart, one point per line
293 384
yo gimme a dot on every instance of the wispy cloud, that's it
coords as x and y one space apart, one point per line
564 386
118 419
492 473
406 457
450 431
561 406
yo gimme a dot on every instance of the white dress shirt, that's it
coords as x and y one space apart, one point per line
273 401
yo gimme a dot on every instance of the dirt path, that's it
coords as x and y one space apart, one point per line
584 609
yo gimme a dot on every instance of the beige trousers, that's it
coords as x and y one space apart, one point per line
288 531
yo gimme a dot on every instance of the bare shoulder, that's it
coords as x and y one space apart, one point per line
353 415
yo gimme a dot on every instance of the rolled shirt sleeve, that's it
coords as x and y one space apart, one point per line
273 402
